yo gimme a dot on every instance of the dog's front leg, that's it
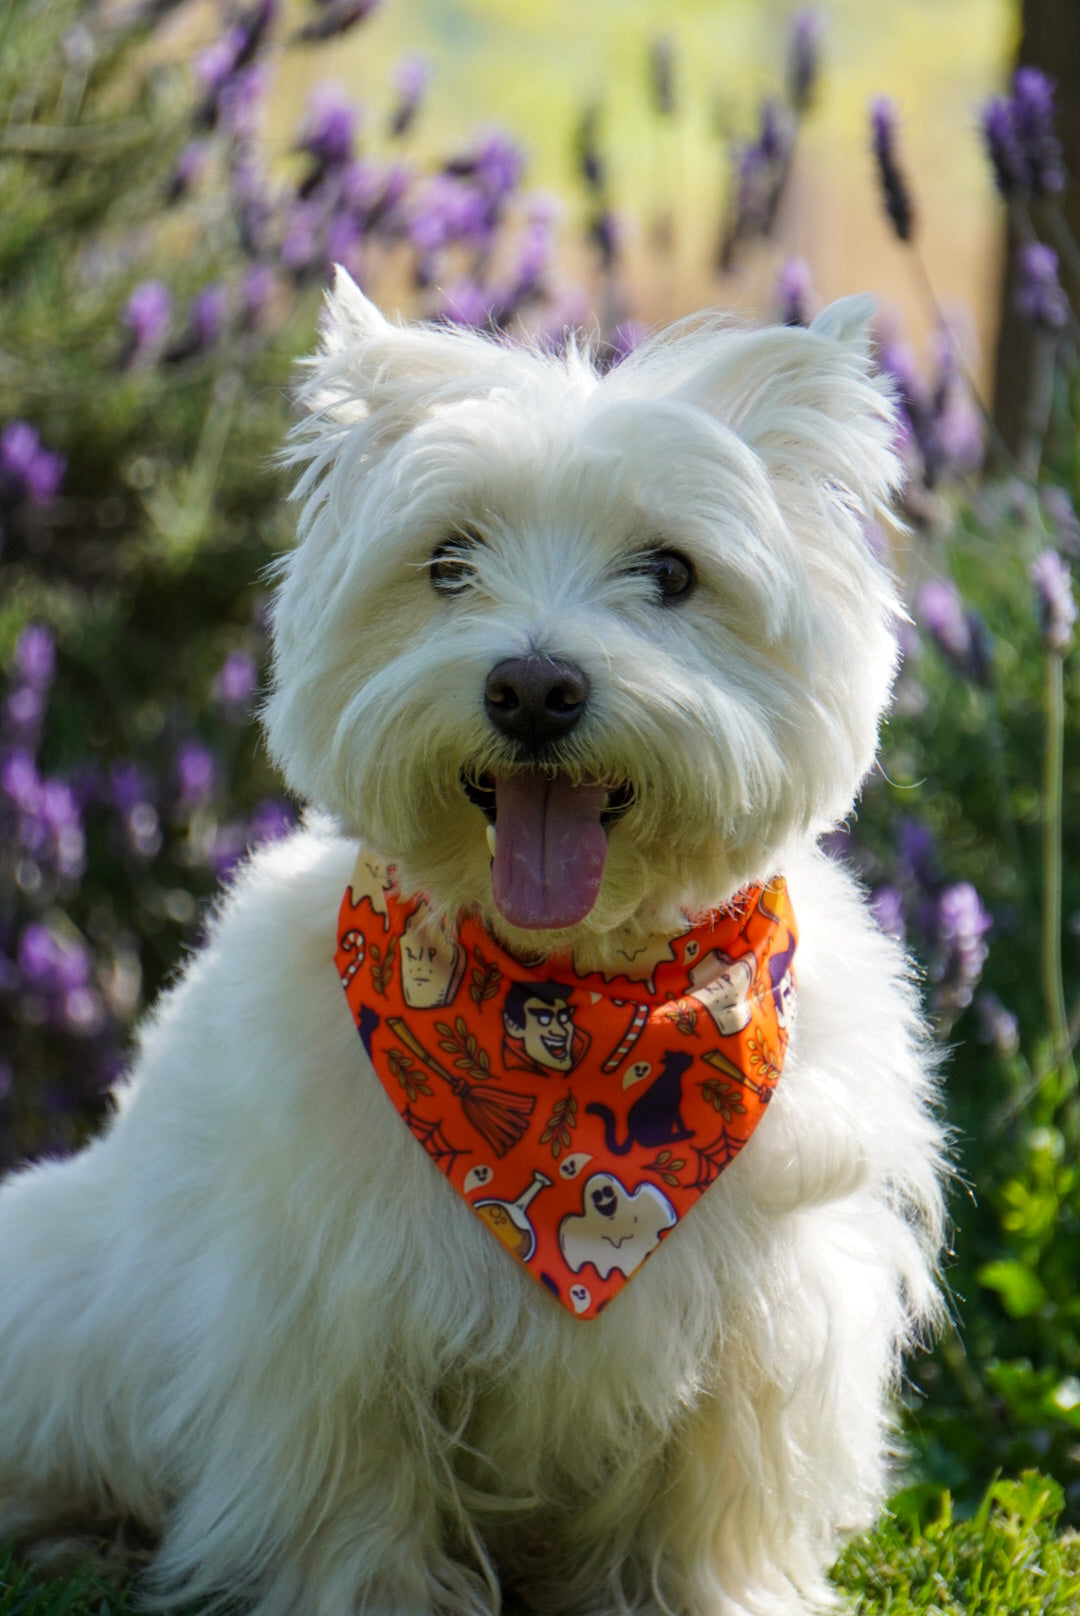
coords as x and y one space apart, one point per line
65 1458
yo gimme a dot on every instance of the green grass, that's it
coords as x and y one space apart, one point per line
1006 1561
24 1593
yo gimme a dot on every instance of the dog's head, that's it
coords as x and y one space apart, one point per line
631 619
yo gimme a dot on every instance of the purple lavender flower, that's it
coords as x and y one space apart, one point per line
997 1025
761 168
205 322
662 74
941 609
1054 597
887 902
188 169
35 656
793 292
939 427
301 243
497 166
27 470
271 820
235 683
250 195
127 784
411 78
959 431
214 64
221 65
344 243
466 303
627 335
240 102
1024 150
196 772
207 316
256 290
916 853
775 134
804 53
1060 512
1039 295
961 635
71 963
1033 121
1003 148
894 190
228 847
24 711
448 210
536 251
20 781
37 954
330 125
147 317
961 949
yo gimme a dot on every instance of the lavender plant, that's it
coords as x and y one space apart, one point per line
156 282
979 872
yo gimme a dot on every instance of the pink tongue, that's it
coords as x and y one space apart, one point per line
549 851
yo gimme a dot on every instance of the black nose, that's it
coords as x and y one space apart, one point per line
535 699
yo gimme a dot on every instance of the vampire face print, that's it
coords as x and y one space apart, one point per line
722 986
617 1228
538 1020
783 983
431 965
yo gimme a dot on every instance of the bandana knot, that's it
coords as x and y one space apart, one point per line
579 1114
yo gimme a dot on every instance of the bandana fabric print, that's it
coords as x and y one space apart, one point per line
579 1115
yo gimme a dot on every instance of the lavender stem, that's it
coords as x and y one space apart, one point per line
1052 984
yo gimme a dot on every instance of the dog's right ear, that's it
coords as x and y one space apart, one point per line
368 366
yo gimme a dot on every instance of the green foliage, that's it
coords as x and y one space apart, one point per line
1005 1561
965 759
24 1592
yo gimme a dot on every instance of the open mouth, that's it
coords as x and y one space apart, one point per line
481 793
548 840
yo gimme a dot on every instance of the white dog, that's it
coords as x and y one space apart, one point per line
253 1317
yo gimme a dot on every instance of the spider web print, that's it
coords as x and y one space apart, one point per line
434 1141
712 1159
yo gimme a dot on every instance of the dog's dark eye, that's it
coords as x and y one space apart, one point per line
671 573
450 568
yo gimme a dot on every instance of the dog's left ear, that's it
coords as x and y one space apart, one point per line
808 402
848 321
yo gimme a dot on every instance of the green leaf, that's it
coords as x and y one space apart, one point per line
1022 1291
1033 1498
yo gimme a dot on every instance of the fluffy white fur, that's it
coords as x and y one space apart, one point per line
252 1317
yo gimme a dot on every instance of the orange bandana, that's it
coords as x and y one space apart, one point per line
580 1116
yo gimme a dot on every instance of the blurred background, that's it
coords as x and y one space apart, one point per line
177 178
535 71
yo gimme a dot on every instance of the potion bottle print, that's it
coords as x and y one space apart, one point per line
508 1219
